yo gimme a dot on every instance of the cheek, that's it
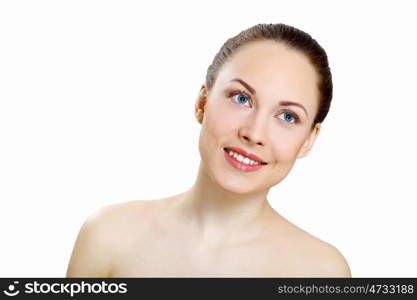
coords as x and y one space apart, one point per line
286 147
212 129
218 122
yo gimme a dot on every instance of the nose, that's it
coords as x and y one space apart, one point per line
253 133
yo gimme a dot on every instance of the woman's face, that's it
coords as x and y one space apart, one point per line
263 102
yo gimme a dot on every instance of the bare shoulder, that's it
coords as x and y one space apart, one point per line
101 234
313 257
328 261
124 213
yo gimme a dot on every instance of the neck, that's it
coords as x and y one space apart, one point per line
216 212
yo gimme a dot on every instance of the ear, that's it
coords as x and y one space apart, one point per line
200 103
308 144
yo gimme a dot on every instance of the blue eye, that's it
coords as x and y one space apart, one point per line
288 117
241 98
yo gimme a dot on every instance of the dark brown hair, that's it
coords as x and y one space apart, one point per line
292 37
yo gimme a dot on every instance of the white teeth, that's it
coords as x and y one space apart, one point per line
242 159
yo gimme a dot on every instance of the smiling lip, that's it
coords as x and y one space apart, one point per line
240 165
247 154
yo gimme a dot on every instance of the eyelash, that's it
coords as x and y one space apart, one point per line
239 92
295 116
232 94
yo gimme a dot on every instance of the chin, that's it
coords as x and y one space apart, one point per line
237 185
237 188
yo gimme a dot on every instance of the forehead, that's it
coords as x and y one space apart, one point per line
273 69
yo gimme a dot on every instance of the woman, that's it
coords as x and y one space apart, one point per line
266 94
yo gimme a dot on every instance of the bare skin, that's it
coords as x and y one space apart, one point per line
166 238
224 226
148 239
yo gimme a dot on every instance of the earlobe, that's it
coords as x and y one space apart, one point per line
308 144
199 115
200 104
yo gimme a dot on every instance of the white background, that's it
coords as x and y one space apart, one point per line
96 107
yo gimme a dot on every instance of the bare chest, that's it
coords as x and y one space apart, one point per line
181 256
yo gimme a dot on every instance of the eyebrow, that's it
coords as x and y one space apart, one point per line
291 103
283 103
245 84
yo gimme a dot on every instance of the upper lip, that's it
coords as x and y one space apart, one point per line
247 154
